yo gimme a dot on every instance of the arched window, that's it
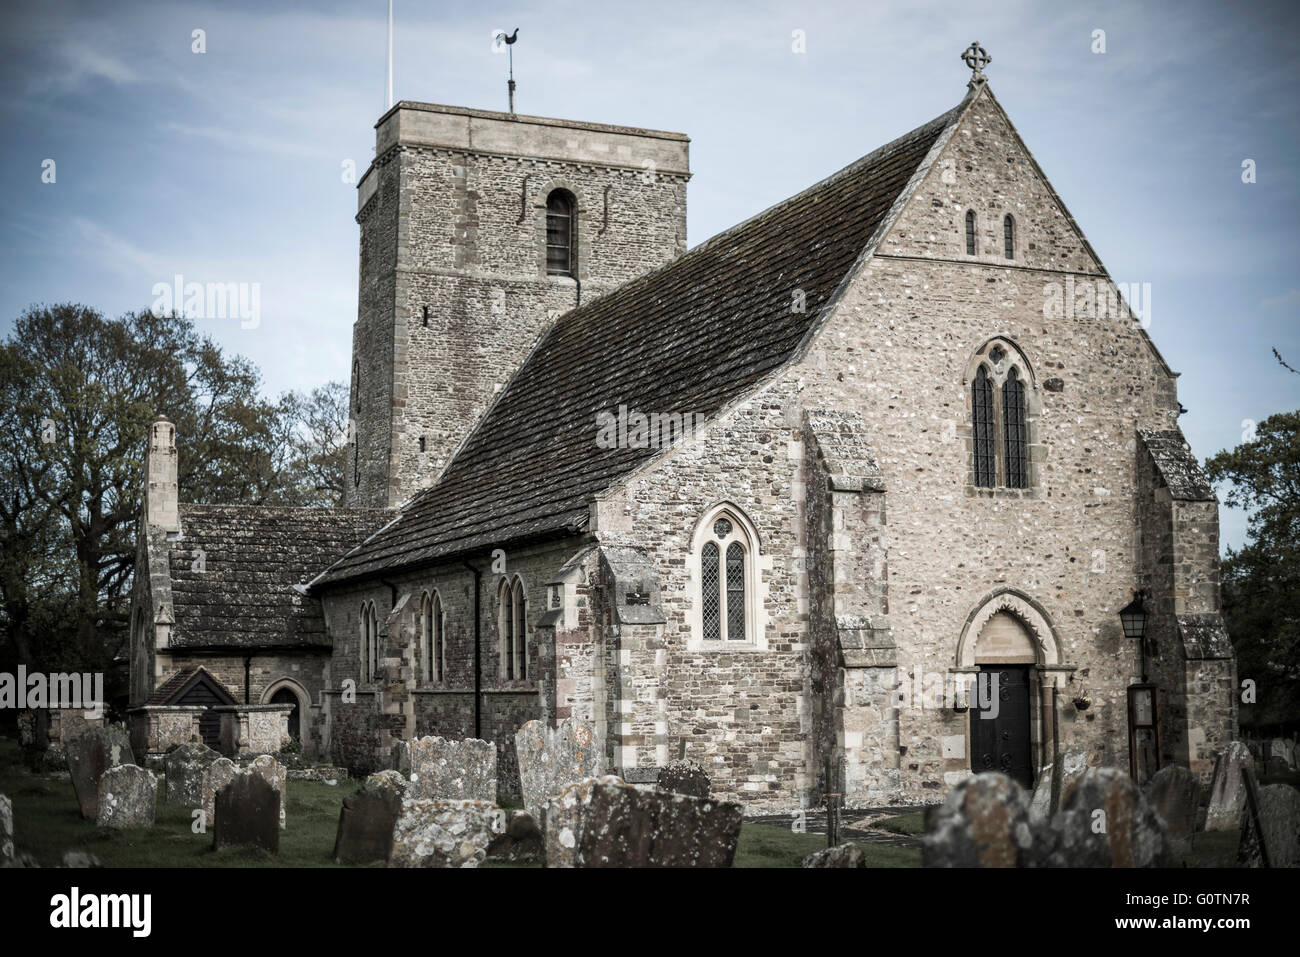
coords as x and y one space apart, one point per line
434 654
1013 424
970 232
1008 237
369 642
725 565
506 625
518 611
982 429
560 233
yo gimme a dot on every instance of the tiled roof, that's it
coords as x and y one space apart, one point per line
1177 466
234 569
689 337
173 686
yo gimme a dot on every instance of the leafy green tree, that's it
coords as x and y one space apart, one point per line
1261 581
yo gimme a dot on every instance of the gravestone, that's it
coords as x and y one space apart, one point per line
6 829
1175 794
247 814
606 822
185 766
276 775
550 759
367 820
984 822
1106 821
128 797
521 841
89 755
1276 832
443 769
388 780
1228 789
79 859
842 855
684 777
219 773
432 833
1040 805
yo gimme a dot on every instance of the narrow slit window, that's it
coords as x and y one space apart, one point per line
559 233
518 606
735 592
982 429
970 232
507 630
1009 237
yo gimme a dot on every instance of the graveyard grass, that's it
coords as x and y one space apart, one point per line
48 822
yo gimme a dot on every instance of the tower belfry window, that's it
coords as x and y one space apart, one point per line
560 233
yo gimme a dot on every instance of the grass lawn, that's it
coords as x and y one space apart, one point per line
911 824
765 845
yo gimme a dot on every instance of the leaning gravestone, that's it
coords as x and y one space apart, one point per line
128 797
247 814
276 775
6 829
550 759
219 773
1106 821
984 822
606 822
367 820
443 769
185 767
843 855
1040 805
90 754
1228 788
433 833
1175 795
1275 833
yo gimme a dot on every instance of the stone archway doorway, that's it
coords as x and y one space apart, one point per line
286 696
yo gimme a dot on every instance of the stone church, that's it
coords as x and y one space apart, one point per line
848 497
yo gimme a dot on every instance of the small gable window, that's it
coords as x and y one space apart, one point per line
560 233
970 232
1009 237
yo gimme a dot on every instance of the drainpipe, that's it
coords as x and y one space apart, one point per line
248 675
478 658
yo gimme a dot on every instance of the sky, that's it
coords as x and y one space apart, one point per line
230 165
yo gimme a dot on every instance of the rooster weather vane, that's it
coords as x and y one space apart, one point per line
509 41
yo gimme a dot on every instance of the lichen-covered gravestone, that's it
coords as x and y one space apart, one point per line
219 773
984 822
247 814
1278 830
521 840
185 767
276 775
1175 794
606 822
1106 821
843 855
128 797
684 777
90 754
6 829
1227 789
550 759
444 769
367 820
433 833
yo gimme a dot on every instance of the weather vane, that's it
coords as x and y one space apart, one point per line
510 48
977 58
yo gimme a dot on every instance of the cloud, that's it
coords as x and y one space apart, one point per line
1288 300
118 254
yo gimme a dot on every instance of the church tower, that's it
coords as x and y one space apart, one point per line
477 229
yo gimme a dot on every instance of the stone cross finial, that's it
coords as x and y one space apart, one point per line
977 58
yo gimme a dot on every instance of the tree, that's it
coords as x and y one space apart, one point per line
315 440
1261 581
78 393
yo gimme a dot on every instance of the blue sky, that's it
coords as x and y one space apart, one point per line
226 166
